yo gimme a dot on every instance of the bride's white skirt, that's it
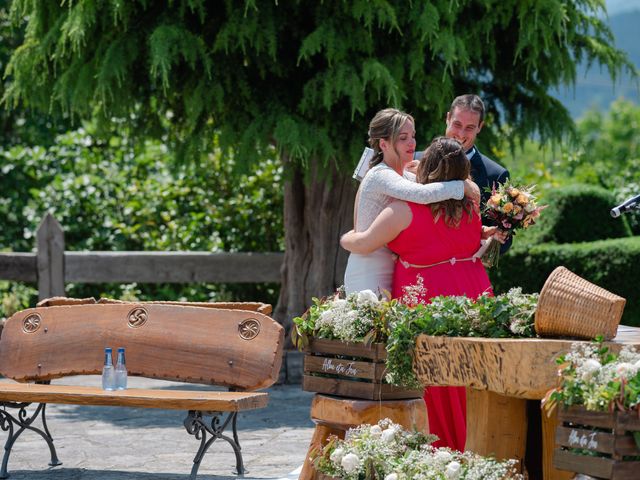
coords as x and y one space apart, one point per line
369 272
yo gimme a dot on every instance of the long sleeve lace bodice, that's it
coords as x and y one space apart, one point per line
381 185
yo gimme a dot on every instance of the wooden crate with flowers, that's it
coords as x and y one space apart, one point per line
599 412
344 340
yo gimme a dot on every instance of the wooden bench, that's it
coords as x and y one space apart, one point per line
232 345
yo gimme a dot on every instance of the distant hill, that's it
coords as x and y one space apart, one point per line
594 87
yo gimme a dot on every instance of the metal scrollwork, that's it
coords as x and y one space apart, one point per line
197 426
31 323
249 328
137 317
16 424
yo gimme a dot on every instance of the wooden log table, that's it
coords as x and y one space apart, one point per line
500 376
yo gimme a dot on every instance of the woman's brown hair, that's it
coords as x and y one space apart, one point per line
442 161
386 124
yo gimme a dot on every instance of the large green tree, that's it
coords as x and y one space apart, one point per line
305 76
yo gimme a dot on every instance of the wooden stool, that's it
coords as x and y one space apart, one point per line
335 415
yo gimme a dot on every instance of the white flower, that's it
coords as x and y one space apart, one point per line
590 367
626 370
453 470
376 431
336 455
388 435
443 456
391 476
350 462
367 297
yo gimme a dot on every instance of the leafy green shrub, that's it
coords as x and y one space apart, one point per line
113 193
611 264
579 213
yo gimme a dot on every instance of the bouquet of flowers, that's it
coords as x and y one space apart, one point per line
387 451
511 208
599 380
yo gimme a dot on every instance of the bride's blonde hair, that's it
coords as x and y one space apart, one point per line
442 161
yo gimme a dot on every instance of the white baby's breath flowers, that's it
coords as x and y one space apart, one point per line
588 368
391 476
443 456
388 435
626 370
376 430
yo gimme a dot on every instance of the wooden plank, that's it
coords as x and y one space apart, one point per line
134 397
585 439
376 352
521 368
175 342
496 425
344 413
625 470
19 267
356 389
625 445
628 421
50 258
340 367
172 267
581 416
593 466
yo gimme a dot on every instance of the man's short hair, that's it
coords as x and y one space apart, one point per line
469 102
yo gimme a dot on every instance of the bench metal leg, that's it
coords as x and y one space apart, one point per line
24 422
196 425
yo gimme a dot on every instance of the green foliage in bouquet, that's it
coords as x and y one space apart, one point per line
363 317
387 451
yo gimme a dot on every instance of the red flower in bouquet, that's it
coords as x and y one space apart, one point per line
511 208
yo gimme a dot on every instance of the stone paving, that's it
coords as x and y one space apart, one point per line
116 443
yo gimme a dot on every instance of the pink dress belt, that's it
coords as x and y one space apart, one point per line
452 261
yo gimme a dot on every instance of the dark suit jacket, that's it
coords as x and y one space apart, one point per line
485 172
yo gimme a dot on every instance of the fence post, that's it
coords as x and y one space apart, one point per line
50 258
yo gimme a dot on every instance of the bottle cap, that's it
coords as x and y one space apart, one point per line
121 349
108 350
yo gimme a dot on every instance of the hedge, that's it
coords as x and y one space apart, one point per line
579 213
612 264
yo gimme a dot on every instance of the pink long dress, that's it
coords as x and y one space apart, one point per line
425 242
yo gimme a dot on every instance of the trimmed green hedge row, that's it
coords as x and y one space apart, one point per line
579 213
612 264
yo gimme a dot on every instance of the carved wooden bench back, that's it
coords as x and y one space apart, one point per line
171 341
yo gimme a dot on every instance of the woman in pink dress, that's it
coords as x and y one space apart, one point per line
435 245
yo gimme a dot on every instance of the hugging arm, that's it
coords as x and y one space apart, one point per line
393 185
387 225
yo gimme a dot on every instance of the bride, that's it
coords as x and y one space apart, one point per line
392 137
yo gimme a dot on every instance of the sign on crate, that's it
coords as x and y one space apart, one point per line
353 370
599 444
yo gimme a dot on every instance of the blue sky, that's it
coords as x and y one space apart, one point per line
617 6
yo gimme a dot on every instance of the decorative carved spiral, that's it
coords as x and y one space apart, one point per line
31 323
249 328
137 317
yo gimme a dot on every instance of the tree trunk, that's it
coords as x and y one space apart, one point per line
318 208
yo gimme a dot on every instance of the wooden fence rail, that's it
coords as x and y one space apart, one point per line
51 266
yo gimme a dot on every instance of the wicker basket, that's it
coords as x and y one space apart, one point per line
570 306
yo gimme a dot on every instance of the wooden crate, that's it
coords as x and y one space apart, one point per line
604 434
352 370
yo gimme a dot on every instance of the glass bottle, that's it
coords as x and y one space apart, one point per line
121 371
108 372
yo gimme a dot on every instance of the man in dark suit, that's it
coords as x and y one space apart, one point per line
464 121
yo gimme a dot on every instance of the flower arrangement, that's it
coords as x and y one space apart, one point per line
387 451
511 208
364 317
592 376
